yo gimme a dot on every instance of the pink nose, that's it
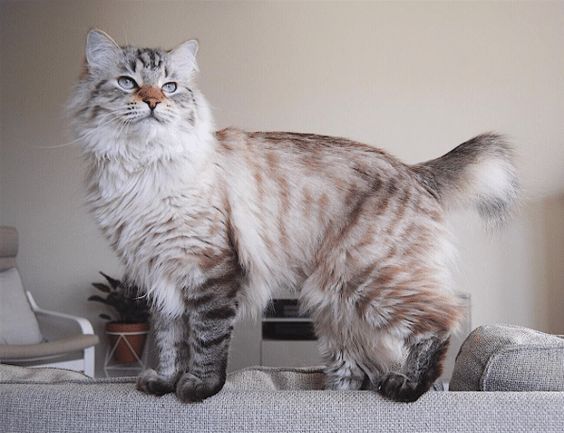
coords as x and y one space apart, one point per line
151 102
151 96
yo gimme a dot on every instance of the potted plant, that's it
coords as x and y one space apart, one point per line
131 322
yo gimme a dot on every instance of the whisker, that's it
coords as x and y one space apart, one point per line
107 117
55 146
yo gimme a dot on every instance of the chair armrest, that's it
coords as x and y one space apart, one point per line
84 324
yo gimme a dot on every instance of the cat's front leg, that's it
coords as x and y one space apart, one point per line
212 314
170 336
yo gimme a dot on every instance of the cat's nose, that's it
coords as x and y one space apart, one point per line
151 102
150 95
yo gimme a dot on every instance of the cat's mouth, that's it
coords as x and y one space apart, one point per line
152 117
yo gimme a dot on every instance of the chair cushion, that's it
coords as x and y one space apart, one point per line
509 358
18 324
12 352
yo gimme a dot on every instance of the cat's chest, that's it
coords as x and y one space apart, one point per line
145 198
145 215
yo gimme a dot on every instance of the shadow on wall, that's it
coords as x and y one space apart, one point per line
553 209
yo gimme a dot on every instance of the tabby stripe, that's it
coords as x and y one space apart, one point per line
218 282
214 341
220 313
152 59
207 365
139 56
202 240
96 91
133 65
335 368
199 350
362 172
207 353
198 302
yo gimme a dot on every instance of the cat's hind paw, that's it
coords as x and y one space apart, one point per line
399 387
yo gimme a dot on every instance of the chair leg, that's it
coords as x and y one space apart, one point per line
89 361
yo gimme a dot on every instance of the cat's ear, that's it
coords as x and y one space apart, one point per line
184 57
101 50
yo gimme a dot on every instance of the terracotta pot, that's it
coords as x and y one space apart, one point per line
123 353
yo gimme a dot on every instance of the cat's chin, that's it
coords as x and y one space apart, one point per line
148 126
151 119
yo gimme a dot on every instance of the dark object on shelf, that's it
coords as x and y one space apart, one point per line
288 331
284 308
283 321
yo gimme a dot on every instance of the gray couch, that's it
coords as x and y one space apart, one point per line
293 400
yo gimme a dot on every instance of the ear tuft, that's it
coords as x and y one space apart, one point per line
184 56
101 50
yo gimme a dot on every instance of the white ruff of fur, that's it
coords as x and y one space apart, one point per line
130 177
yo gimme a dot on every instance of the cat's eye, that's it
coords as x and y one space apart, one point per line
127 83
169 87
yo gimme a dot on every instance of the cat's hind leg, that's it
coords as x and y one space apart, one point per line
422 367
341 367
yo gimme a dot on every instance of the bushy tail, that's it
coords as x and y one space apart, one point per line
479 172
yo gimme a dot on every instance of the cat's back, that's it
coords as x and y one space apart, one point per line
306 153
300 168
234 139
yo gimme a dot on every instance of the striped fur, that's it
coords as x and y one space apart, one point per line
211 224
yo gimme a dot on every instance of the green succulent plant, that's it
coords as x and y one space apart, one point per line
124 298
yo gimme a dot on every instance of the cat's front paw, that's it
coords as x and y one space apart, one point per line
192 389
398 387
150 382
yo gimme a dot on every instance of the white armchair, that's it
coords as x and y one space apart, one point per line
24 325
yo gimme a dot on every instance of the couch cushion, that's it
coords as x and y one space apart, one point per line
112 405
15 374
276 379
509 358
18 324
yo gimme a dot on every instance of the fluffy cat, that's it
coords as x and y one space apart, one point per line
210 223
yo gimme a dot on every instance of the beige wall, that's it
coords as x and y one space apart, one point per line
415 78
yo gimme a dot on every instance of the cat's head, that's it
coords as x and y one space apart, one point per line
136 97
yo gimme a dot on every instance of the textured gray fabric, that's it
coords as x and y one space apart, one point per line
18 324
247 379
260 400
118 407
509 358
276 379
15 374
58 347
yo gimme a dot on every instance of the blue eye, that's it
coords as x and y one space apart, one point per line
127 83
169 87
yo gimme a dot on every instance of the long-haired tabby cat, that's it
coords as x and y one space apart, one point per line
209 223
